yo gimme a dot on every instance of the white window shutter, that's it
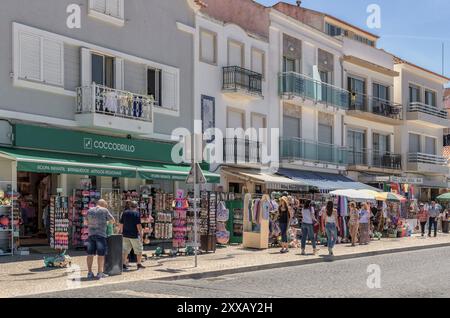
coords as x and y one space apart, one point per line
30 57
169 90
99 5
119 73
86 67
53 62
114 8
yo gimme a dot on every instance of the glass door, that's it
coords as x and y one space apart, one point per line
356 145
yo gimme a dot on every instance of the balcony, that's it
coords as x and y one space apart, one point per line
112 109
294 85
428 164
374 160
242 151
428 115
375 109
297 149
241 83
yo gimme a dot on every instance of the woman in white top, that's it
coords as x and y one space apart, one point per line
331 224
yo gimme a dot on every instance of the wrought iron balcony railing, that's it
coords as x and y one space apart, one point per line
100 99
236 78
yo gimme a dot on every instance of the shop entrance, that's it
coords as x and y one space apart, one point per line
34 204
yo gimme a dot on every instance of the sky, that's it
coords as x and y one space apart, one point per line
411 29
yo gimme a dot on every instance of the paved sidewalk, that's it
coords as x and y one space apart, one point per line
21 276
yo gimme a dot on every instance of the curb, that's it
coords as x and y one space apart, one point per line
321 259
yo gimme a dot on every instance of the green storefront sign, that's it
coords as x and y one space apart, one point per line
77 142
75 170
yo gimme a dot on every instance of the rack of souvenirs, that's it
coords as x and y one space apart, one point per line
59 222
80 203
113 198
145 208
181 206
9 219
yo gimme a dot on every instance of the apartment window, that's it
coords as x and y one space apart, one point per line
258 122
154 85
356 142
258 61
41 59
381 92
430 98
236 53
289 65
414 143
381 143
208 47
333 30
414 94
103 70
430 146
358 89
110 10
291 127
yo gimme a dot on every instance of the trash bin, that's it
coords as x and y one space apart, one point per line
113 260
445 228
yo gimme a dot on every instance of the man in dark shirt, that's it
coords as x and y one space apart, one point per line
131 229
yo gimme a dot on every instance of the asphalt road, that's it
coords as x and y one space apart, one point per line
412 274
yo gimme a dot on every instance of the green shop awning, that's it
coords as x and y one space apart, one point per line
60 163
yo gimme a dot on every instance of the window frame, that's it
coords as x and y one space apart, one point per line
434 97
118 21
237 43
263 66
215 43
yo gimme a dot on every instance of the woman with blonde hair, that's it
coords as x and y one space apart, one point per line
353 222
364 224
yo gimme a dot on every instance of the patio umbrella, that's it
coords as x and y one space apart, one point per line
390 196
444 197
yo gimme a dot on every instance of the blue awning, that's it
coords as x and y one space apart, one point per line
324 181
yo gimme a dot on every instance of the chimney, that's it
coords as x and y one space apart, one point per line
299 3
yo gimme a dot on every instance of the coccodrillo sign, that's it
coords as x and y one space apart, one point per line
78 142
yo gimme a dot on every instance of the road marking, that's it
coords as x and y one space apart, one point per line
133 293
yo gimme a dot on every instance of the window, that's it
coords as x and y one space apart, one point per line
430 98
103 70
235 54
381 92
41 59
381 144
358 89
333 30
108 10
356 141
430 146
208 47
289 65
154 87
291 127
259 122
414 94
414 143
258 61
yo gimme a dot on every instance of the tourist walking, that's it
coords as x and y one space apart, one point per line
353 222
422 218
434 211
97 222
283 220
364 224
331 226
131 228
309 219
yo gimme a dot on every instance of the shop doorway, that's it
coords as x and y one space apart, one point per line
35 190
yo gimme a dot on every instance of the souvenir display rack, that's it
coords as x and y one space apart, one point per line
59 222
235 224
113 198
162 213
256 221
81 202
180 227
145 208
8 219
